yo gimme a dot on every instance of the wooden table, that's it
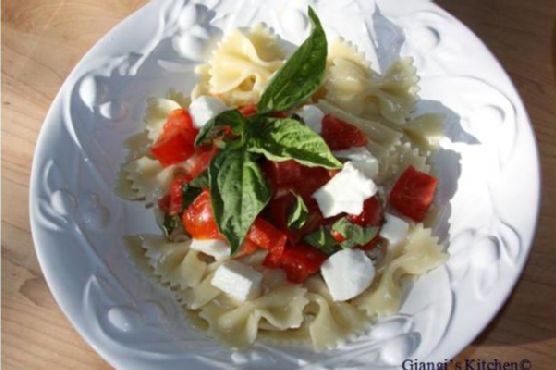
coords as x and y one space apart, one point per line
43 39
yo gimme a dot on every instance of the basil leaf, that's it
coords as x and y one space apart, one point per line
239 191
299 213
231 118
200 181
354 234
323 240
285 139
302 74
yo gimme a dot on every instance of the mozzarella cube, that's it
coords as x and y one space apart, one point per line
345 192
361 158
395 229
312 116
347 273
238 280
213 247
205 108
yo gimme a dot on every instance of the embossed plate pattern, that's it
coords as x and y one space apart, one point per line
488 219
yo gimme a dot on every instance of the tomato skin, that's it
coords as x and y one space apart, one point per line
200 161
341 135
303 180
198 219
371 214
248 109
300 261
265 235
337 236
247 248
177 141
279 209
176 193
164 203
413 193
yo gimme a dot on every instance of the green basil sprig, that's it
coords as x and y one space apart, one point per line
238 188
323 240
354 234
302 74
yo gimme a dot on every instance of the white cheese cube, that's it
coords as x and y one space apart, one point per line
347 273
238 280
361 158
213 247
312 116
345 192
205 108
395 229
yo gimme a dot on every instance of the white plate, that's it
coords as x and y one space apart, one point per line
491 194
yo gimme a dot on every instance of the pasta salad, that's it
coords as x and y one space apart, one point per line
293 192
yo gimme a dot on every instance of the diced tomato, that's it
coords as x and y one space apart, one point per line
337 236
267 236
281 174
198 219
248 109
413 193
371 215
300 261
200 161
247 248
176 193
177 141
279 210
341 135
303 180
164 203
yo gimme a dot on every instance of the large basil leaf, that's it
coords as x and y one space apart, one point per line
302 74
285 139
231 118
354 234
238 192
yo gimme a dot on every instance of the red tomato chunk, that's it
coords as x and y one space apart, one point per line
198 219
300 261
177 141
341 135
371 215
413 193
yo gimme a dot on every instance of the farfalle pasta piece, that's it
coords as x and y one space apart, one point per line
425 130
173 263
394 161
419 254
353 86
394 93
197 296
241 67
148 179
333 322
237 324
136 147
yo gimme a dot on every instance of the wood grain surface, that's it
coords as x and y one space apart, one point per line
43 39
